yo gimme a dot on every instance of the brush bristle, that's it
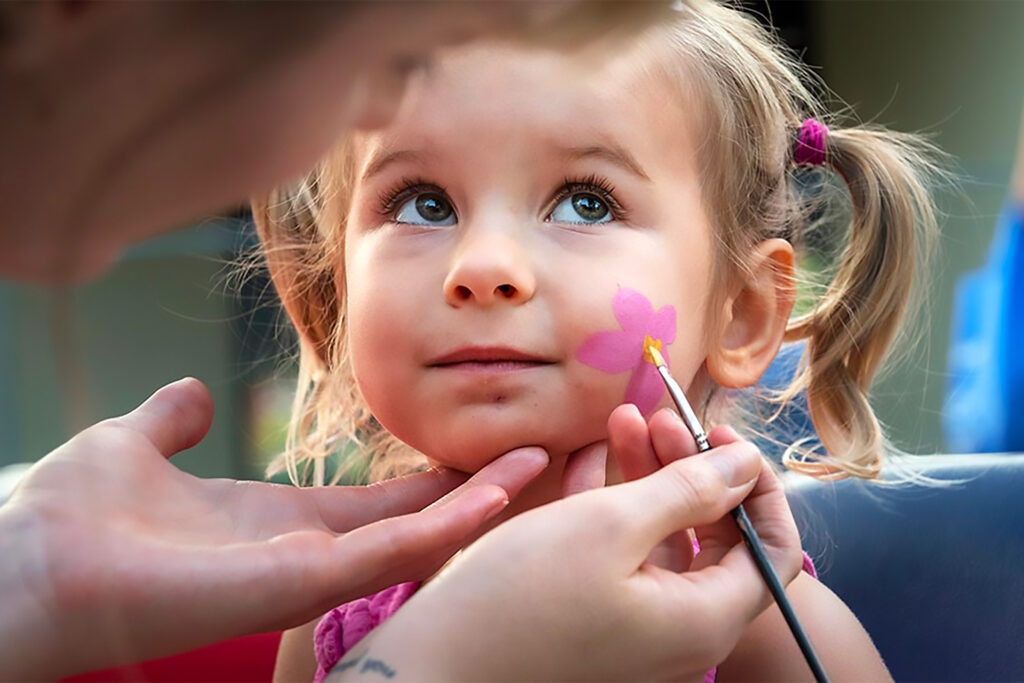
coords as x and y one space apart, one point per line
655 355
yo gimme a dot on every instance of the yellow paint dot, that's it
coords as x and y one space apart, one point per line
648 343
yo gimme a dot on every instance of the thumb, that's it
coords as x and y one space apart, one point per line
174 418
585 469
687 493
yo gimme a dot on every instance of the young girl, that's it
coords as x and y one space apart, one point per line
485 272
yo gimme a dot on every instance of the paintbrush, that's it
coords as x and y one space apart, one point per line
746 528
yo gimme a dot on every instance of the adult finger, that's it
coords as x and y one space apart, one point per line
768 511
331 571
343 508
281 583
630 443
729 594
771 516
176 417
585 469
684 494
670 441
723 434
670 437
718 538
512 471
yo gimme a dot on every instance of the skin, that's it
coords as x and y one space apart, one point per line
499 258
172 97
189 108
507 273
114 546
630 619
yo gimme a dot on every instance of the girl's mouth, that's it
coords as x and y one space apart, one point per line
489 359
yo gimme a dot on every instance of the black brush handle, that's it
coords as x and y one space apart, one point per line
746 527
764 565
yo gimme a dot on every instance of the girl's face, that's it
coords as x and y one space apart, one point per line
513 235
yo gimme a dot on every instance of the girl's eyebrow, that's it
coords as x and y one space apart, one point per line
611 153
381 158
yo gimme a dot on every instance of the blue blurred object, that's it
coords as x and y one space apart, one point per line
985 394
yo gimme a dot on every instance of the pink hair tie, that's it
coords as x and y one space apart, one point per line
810 143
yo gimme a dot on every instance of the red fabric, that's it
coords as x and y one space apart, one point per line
243 659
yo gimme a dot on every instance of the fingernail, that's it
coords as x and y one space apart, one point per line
496 498
534 455
497 507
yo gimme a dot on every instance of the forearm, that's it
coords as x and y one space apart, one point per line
408 647
441 636
368 663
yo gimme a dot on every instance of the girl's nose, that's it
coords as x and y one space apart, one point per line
489 268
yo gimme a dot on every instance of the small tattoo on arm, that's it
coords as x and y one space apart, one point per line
377 666
364 664
345 665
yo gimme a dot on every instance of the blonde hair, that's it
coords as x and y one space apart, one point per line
756 97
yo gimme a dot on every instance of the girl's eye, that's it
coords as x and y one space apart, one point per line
428 208
581 207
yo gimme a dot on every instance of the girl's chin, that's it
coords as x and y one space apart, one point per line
469 446
472 461
469 461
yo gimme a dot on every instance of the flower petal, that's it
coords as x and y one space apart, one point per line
645 388
633 311
663 324
612 351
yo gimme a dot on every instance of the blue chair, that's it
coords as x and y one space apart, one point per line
935 574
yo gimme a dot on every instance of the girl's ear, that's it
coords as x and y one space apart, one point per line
753 317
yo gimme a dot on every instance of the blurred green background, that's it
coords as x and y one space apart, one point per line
170 308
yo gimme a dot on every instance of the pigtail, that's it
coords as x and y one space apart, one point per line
891 233
772 172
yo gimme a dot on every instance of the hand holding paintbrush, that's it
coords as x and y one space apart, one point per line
746 529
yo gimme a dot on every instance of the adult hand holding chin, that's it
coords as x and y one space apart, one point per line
107 543
580 598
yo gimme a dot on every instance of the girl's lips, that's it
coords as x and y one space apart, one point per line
492 358
492 366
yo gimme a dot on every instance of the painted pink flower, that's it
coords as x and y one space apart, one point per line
617 351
